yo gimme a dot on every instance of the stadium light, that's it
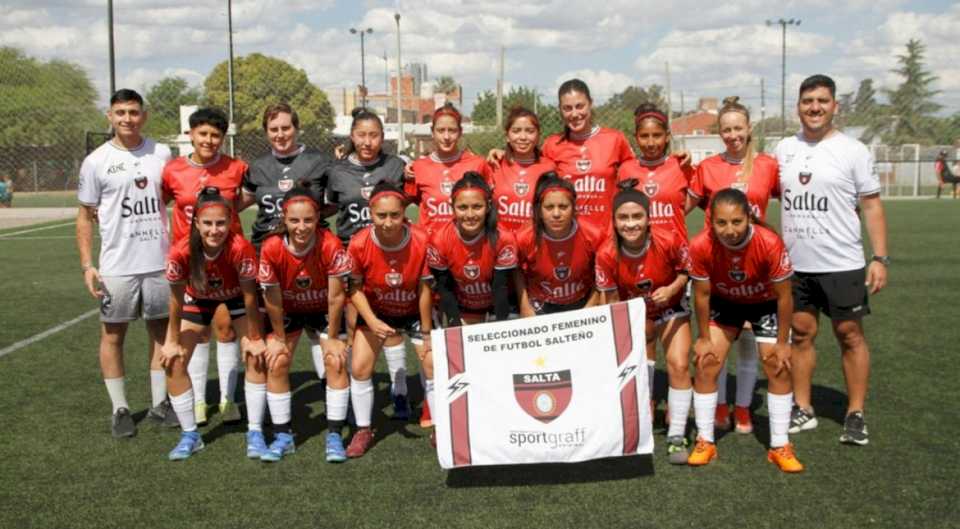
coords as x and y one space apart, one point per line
363 65
396 17
783 68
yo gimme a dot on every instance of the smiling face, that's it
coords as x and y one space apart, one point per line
631 221
470 212
652 138
213 222
206 140
127 118
556 210
446 135
577 111
367 138
300 219
523 136
388 220
735 132
281 133
816 108
730 223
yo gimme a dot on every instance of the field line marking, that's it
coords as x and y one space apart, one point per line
31 230
52 330
42 238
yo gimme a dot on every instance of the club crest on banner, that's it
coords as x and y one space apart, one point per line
521 188
285 184
544 396
805 177
394 279
584 165
471 271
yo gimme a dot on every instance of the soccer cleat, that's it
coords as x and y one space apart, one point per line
171 420
190 443
362 439
785 459
802 420
703 453
721 419
401 408
200 412
742 421
678 451
281 446
426 420
229 412
854 430
122 424
159 412
256 445
335 451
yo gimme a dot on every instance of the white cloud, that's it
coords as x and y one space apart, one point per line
602 83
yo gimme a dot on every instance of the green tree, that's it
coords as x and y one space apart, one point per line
163 102
45 104
445 85
485 109
863 110
911 105
260 80
617 112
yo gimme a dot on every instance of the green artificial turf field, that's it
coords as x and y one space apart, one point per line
61 468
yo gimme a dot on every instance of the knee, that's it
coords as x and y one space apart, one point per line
678 366
850 336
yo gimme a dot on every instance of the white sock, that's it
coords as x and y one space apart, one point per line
197 369
704 410
428 390
778 406
746 368
722 385
678 400
118 393
397 366
158 386
317 353
183 406
361 393
256 397
279 404
228 358
337 402
651 370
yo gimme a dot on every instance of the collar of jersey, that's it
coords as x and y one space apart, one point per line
435 157
743 244
201 166
300 148
355 160
403 242
730 160
643 251
215 257
286 243
585 135
471 241
524 161
573 230
143 141
652 163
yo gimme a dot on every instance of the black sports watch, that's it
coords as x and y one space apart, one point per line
882 259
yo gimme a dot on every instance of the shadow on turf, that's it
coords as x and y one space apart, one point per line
611 469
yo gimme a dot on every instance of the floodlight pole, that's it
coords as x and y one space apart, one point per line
113 66
783 68
231 129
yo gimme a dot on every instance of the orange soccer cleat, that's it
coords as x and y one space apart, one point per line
703 453
743 422
785 458
426 420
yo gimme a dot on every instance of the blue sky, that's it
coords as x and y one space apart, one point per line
714 49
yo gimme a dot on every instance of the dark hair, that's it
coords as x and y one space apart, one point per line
474 180
817 81
208 195
545 181
386 186
361 114
303 188
645 111
209 116
280 108
515 114
570 86
737 198
447 110
628 193
124 95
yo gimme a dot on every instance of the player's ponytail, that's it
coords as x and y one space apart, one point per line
473 180
549 181
208 197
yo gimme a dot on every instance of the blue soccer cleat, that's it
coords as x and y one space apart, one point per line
335 451
256 445
190 443
280 447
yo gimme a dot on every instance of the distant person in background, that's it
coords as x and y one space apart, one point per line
944 174
121 193
6 192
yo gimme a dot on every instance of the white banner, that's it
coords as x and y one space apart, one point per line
564 387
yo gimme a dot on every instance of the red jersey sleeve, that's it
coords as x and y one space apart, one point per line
178 264
244 258
700 257
605 267
778 259
680 254
623 150
355 252
335 255
506 258
436 251
269 261
696 183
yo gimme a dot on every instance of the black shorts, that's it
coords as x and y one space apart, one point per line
295 323
839 295
200 311
732 315
545 307
409 325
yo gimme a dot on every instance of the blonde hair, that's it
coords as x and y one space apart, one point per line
732 104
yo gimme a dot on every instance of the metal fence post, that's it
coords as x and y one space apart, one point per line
36 183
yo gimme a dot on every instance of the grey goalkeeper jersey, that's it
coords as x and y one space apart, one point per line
348 185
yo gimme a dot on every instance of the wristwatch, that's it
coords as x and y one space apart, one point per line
882 259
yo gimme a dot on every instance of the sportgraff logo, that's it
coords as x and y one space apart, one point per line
433 257
247 268
174 272
544 396
521 188
584 165
506 256
285 184
561 272
805 177
303 282
114 169
365 192
651 188
472 271
265 271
